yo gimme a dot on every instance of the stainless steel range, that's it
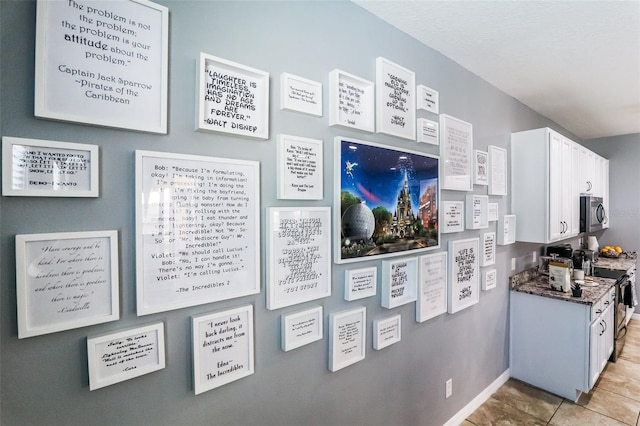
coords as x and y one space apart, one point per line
620 311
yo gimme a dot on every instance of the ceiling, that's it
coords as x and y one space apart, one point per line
576 62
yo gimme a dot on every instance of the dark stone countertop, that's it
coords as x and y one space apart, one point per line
620 263
539 286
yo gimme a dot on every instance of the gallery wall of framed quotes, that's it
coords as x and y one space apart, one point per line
220 110
39 168
464 276
196 217
111 80
395 100
66 280
298 255
387 199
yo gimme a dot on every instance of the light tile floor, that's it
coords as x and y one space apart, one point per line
614 400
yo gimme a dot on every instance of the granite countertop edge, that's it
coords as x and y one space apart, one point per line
539 286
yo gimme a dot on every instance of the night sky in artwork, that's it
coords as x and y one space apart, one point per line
376 174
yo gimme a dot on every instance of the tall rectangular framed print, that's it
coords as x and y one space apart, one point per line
387 198
231 98
480 168
103 63
39 168
456 150
497 170
476 215
507 229
488 246
222 347
196 218
300 94
347 337
464 276
395 100
126 354
432 286
66 280
298 255
351 102
493 210
452 216
300 171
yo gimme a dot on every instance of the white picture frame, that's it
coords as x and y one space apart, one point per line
351 102
360 283
488 248
428 131
463 273
506 229
497 170
476 213
452 216
347 337
299 164
427 99
66 280
301 328
42 168
399 282
124 355
121 84
480 167
169 189
395 100
300 94
489 279
387 331
298 255
493 212
456 151
432 286
248 119
222 353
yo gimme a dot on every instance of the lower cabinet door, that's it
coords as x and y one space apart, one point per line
595 332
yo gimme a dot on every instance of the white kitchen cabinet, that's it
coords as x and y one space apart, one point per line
605 191
557 345
588 174
543 186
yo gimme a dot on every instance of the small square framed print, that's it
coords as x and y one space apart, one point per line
399 282
428 99
489 279
40 168
300 95
360 283
351 102
300 172
387 331
428 131
452 216
121 356
301 328
347 337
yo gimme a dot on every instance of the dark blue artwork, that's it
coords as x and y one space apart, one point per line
389 200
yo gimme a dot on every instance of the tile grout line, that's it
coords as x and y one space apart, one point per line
554 413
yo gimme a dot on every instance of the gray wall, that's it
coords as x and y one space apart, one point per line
45 379
623 153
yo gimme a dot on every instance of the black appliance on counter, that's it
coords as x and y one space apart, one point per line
581 255
620 310
562 250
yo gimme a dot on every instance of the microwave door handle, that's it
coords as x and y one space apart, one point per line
600 213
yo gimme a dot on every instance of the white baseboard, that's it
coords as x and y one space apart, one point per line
479 400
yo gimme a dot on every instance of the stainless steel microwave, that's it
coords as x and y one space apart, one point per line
592 213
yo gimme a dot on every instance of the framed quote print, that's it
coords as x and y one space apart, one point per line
428 131
351 102
493 212
427 99
488 246
301 328
489 279
507 229
480 167
399 282
452 216
476 215
387 331
298 255
395 100
66 280
432 286
347 337
232 99
196 218
300 95
497 170
464 276
39 168
300 171
103 63
222 347
360 283
126 354
456 150
386 201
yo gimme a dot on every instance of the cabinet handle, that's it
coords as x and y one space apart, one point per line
606 303
598 311
589 186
